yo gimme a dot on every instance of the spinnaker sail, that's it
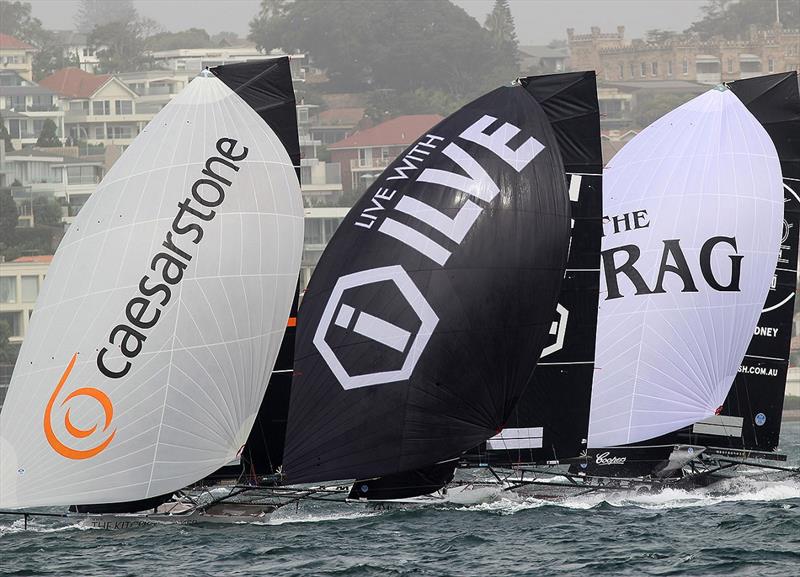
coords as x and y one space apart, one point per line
162 313
694 213
426 315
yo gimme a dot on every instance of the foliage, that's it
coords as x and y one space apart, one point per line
46 212
385 45
500 24
16 21
36 240
731 18
48 138
657 35
96 13
50 57
8 351
191 38
124 45
225 38
652 106
385 104
5 136
9 214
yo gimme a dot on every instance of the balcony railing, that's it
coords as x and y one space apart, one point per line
366 164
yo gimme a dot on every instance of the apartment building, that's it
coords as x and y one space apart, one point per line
98 109
17 56
25 107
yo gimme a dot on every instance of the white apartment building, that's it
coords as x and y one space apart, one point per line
25 107
16 55
20 282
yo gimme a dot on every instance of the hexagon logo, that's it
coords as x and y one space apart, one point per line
375 329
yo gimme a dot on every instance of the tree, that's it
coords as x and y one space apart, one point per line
653 105
385 44
191 38
5 136
96 13
731 18
225 38
9 214
658 36
46 211
500 24
50 56
124 45
48 137
16 21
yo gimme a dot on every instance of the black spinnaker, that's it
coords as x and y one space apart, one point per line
415 337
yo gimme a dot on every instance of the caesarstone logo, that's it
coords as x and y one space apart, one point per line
141 313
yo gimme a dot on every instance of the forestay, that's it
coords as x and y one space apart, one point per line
162 313
694 212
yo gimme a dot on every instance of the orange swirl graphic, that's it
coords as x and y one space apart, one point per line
78 433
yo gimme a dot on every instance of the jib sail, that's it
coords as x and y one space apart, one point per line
751 415
552 417
426 315
162 313
693 218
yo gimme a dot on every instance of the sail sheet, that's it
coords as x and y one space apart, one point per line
755 402
693 218
163 310
428 310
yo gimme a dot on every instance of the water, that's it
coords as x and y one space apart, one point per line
750 526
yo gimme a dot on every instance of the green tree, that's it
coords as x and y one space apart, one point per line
732 18
191 38
5 136
48 137
9 214
652 106
385 44
8 351
16 21
124 45
46 212
500 24
95 13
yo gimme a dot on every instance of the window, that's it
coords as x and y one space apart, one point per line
120 132
685 66
79 105
313 231
364 156
124 107
38 124
99 133
41 102
8 289
305 175
14 322
302 115
669 68
30 288
771 65
730 65
622 72
101 107
81 175
17 103
654 68
643 69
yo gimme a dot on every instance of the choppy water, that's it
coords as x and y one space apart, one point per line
747 527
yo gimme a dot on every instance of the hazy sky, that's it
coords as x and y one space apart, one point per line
537 21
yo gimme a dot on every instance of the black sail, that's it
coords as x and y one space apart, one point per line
425 316
551 419
751 415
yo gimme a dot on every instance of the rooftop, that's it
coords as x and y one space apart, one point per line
10 43
74 82
400 131
42 258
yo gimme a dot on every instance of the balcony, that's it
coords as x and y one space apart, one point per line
369 163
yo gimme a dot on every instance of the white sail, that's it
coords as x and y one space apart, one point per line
694 205
187 257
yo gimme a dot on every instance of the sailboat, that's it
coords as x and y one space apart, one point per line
165 306
415 338
644 430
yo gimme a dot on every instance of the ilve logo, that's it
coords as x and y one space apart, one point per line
76 432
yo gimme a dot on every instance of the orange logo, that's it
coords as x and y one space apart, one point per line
78 433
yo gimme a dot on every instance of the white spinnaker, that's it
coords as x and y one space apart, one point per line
191 395
664 361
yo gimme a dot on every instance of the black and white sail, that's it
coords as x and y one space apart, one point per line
751 414
426 315
552 417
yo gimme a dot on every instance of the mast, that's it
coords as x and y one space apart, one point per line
415 337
